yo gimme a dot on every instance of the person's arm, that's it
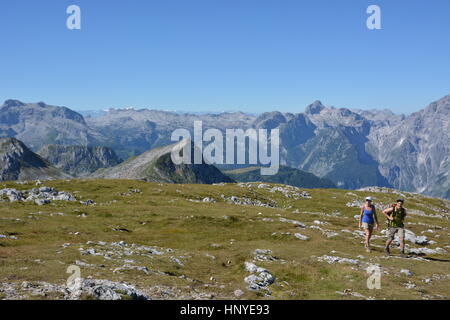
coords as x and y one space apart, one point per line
386 213
360 217
376 218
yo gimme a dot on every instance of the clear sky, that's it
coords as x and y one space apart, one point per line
214 55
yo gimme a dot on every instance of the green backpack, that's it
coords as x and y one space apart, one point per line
399 215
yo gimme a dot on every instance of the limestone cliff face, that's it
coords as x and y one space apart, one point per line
38 124
17 162
414 154
79 160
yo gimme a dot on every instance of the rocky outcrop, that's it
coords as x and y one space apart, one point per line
96 289
40 196
17 162
260 278
79 160
106 290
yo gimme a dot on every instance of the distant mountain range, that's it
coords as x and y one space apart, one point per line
156 165
352 148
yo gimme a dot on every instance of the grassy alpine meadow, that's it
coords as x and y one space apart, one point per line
175 241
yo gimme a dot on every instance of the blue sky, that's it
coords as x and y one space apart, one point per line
214 55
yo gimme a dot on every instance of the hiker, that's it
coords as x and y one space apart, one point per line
396 215
367 219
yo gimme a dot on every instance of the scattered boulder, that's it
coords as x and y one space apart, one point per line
128 266
40 196
238 293
327 233
288 191
300 236
410 236
426 251
88 203
407 272
243 201
295 222
41 202
259 279
334 259
264 255
12 237
410 285
177 261
355 203
107 290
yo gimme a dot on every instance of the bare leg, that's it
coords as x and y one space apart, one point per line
402 245
368 236
388 243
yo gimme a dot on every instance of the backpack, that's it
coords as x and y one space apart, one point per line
398 215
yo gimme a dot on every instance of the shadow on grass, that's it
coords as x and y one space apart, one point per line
436 259
428 258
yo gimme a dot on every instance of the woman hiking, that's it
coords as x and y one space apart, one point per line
367 219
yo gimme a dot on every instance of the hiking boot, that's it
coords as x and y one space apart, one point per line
403 254
387 251
368 249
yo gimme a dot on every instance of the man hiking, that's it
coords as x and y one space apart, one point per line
396 215
367 219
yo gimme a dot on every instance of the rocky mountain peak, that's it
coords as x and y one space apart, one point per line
442 106
270 120
315 108
12 103
17 162
156 165
13 146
